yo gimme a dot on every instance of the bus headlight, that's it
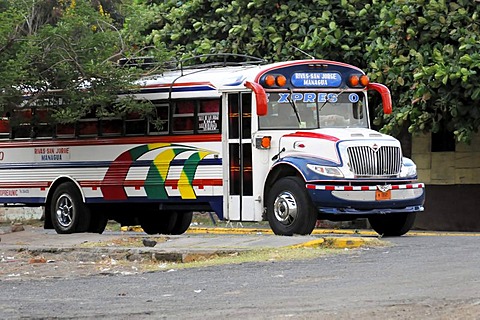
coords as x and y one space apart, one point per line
325 170
409 169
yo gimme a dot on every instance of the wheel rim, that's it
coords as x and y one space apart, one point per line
64 211
285 208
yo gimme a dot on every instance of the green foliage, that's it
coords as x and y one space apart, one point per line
425 51
65 51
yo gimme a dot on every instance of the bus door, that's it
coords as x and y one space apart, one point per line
237 153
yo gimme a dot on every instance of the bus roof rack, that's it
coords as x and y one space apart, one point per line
211 60
219 60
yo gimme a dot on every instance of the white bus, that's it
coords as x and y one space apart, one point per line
288 142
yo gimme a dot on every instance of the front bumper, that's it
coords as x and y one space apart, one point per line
364 200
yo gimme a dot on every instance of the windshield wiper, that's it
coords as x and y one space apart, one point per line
294 106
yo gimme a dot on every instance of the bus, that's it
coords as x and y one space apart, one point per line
288 142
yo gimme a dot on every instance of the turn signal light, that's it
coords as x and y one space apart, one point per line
263 142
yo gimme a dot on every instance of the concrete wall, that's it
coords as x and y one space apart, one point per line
13 214
453 185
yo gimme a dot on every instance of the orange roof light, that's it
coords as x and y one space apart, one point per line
281 80
354 81
270 80
364 80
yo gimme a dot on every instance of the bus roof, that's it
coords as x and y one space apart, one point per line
226 78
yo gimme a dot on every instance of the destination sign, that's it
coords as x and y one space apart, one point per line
316 79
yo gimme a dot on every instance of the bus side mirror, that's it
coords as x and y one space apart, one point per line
260 96
385 94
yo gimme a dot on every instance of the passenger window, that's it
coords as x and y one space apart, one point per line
135 124
159 122
22 123
209 116
183 120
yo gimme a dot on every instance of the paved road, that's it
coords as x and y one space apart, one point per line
418 277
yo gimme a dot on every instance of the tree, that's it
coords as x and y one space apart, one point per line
66 51
426 51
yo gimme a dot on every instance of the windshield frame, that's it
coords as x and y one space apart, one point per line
315 109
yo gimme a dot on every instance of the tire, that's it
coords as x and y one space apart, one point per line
184 219
68 212
158 222
393 225
98 221
289 208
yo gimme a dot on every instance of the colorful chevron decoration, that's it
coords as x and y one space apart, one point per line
113 183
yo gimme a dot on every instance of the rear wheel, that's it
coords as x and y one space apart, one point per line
393 225
158 222
184 219
68 212
289 208
98 221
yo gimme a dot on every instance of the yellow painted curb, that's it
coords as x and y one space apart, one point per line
229 230
309 244
336 243
345 242
131 228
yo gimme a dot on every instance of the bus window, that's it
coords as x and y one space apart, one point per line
111 126
183 116
43 124
22 123
88 126
209 116
135 124
159 123
65 130
5 126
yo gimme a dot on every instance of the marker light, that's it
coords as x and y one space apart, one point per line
364 80
266 142
354 81
281 80
270 80
263 142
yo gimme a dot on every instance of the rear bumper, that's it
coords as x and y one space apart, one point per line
361 200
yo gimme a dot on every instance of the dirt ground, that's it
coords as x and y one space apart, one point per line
27 266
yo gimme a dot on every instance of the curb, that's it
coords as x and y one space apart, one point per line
338 243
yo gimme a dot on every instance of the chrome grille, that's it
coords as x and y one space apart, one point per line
366 161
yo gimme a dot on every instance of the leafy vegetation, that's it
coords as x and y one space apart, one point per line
425 51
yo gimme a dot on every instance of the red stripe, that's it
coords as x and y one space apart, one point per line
33 184
114 141
315 135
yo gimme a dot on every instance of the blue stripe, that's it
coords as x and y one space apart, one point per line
177 89
94 164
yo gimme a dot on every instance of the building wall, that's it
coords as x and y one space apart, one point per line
452 184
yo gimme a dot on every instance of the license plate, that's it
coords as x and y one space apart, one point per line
383 195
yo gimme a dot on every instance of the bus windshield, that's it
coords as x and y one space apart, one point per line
314 110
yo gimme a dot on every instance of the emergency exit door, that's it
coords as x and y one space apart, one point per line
239 204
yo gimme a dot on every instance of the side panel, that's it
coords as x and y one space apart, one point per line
116 170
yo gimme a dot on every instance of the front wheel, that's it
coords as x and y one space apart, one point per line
393 225
68 212
289 208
